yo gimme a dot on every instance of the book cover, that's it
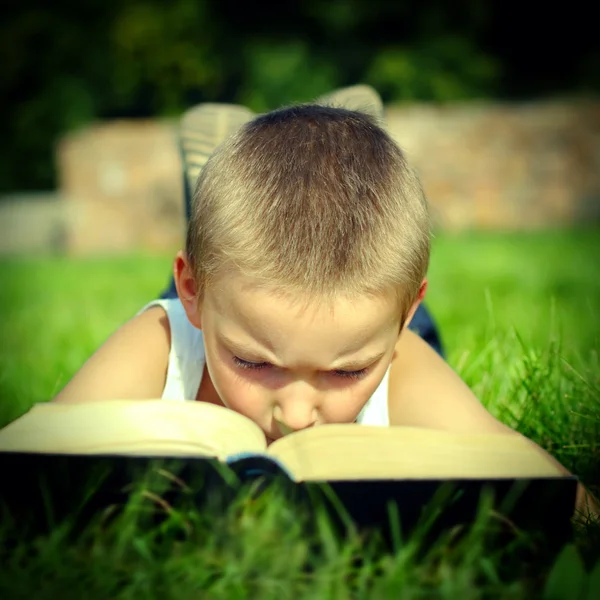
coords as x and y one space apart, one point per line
38 491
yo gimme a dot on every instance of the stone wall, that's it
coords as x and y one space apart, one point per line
505 166
122 187
33 223
483 166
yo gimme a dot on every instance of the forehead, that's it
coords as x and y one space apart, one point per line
257 307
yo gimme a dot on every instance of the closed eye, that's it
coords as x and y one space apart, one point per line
351 374
246 364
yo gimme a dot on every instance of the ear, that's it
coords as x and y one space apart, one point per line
413 308
187 289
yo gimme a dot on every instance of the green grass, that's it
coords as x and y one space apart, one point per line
520 321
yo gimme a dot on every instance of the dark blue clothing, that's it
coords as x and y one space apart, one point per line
424 325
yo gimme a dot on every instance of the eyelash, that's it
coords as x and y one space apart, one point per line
244 364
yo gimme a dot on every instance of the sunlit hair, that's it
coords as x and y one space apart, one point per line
316 203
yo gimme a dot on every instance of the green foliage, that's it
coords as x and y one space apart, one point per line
569 580
167 49
68 63
278 73
536 375
72 63
260 547
443 69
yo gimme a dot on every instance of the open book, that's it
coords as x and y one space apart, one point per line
367 468
329 452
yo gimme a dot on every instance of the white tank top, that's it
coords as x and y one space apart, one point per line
186 365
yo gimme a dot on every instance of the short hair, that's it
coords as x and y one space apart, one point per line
316 202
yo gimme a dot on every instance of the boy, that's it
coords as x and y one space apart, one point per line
305 261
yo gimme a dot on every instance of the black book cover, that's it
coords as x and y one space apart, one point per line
38 491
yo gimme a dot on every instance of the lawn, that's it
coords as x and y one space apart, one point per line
520 321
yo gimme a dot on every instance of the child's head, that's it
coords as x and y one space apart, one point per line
314 208
315 201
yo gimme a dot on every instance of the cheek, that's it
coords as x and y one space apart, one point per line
345 400
344 405
235 393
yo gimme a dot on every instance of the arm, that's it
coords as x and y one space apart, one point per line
424 391
131 364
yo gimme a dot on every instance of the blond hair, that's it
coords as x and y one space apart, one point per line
316 202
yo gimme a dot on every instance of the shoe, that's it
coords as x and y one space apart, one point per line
358 97
202 128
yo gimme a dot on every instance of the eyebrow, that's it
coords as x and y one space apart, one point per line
348 365
359 363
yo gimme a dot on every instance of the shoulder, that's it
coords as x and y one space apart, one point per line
154 323
131 363
424 391
150 329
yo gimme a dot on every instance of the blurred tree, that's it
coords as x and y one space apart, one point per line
277 73
162 51
446 68
67 63
50 77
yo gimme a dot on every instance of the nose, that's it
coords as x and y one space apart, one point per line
294 413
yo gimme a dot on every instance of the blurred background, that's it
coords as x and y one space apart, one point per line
495 102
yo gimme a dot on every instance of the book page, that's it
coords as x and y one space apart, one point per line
338 452
133 427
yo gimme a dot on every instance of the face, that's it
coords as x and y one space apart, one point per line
288 367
